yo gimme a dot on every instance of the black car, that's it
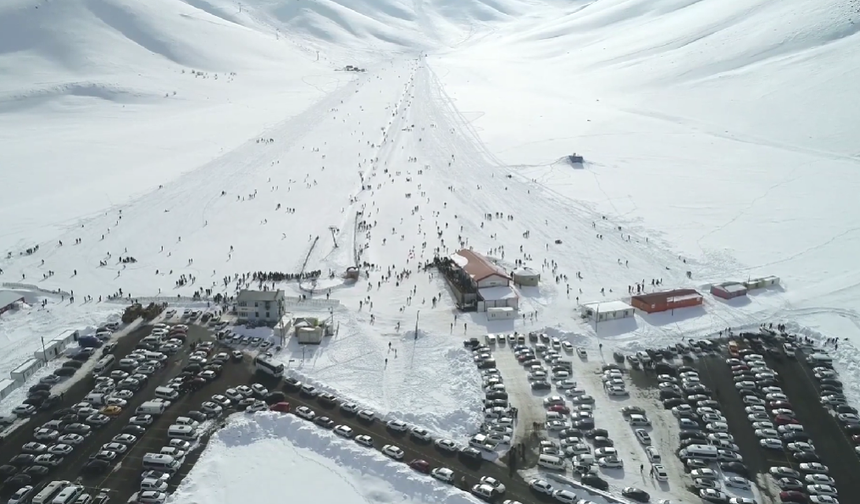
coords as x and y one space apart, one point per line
37 471
64 371
324 421
691 434
7 471
50 402
593 433
73 364
291 383
735 467
134 430
594 482
471 453
15 482
96 466
38 387
540 385
636 494
276 397
22 460
198 416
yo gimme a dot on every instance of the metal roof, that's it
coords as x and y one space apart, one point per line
256 295
9 297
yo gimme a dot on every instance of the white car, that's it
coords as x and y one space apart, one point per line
142 420
149 497
771 444
233 395
392 451
447 445
71 439
49 459
704 484
766 433
581 353
566 384
397 425
420 434
343 431
611 462
350 408
443 474
305 412
367 415
660 473
115 447
540 486
819 479
653 455
737 482
495 484
60 449
180 444
811 489
703 473
823 499
46 434
364 439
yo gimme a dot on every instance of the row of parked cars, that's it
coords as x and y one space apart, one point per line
776 425
706 440
40 396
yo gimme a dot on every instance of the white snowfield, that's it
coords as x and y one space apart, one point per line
212 138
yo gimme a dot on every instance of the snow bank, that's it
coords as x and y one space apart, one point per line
263 457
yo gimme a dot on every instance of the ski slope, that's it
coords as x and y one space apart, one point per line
208 139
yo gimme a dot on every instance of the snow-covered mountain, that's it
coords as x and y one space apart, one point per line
210 138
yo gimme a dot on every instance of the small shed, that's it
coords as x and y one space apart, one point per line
761 283
24 371
609 310
308 330
526 277
729 290
52 350
667 300
501 313
7 385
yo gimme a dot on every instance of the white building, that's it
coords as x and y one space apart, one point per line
502 296
607 310
526 277
260 307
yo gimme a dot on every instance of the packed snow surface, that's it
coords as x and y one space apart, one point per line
259 458
208 138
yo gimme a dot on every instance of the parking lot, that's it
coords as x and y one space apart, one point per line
123 478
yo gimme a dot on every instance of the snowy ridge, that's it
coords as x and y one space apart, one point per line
285 444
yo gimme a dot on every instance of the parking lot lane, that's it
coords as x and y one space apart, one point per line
832 444
717 376
519 394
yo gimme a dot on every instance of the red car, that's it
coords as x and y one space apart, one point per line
561 408
281 407
420 465
783 420
792 496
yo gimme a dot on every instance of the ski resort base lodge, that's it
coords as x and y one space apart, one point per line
492 283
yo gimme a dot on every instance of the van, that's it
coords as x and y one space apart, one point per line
104 364
51 489
151 408
68 495
551 462
166 393
184 432
95 399
705 452
820 359
156 356
160 462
